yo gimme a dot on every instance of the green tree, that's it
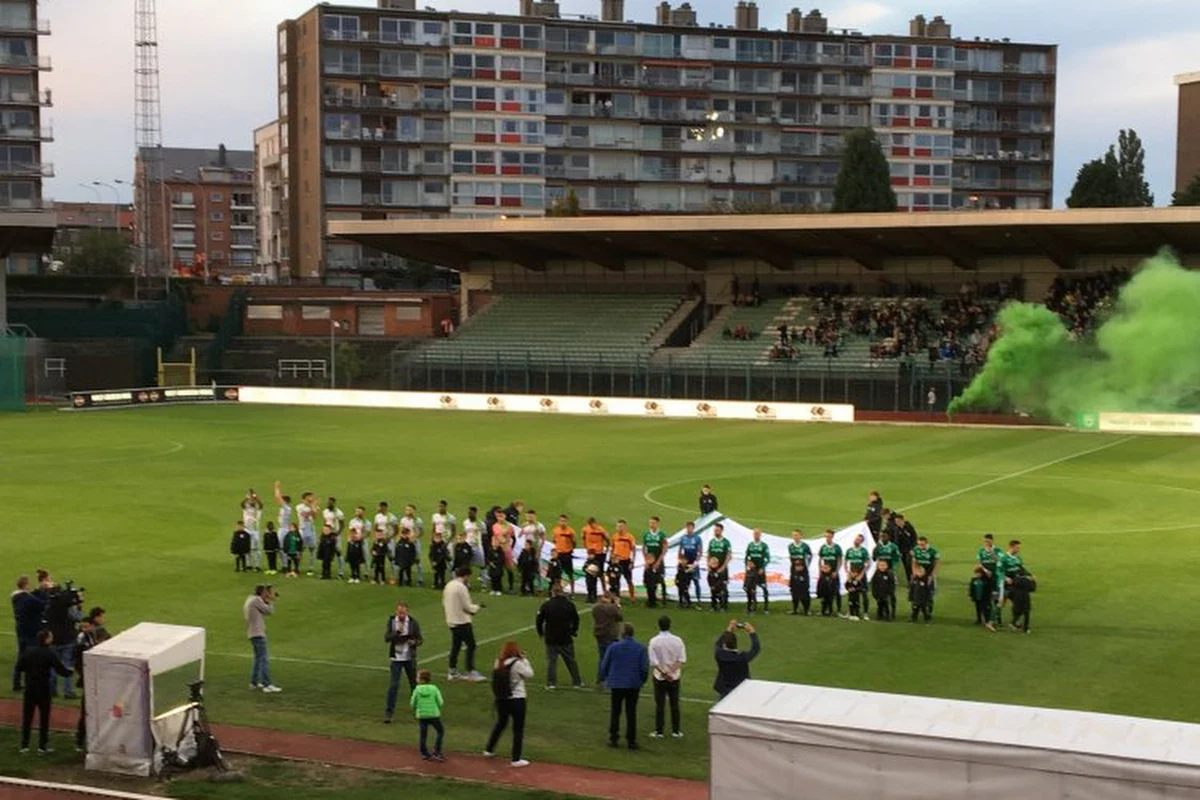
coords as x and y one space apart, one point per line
1098 184
349 364
567 206
1189 196
100 252
864 181
1131 168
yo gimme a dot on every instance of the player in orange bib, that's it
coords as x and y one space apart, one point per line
564 550
595 540
623 547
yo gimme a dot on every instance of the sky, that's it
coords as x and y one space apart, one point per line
218 74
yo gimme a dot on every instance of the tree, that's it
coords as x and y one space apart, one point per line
349 363
1189 196
565 206
100 252
1097 184
864 181
1131 169
1118 180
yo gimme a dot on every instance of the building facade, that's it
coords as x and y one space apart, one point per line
393 112
74 219
22 131
202 210
270 198
1187 140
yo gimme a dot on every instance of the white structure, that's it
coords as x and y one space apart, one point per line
127 721
772 741
270 196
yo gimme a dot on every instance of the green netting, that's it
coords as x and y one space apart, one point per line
12 373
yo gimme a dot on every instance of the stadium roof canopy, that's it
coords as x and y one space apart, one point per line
780 239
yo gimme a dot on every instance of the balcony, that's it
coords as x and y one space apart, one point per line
661 174
41 27
1003 125
1001 184
568 47
26 170
26 62
431 169
1002 155
616 49
10 133
26 99
385 103
28 204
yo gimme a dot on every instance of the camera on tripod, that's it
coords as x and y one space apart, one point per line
196 691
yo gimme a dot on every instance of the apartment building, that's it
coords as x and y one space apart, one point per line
398 112
1187 140
270 195
202 209
22 131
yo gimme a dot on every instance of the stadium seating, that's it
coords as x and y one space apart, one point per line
592 330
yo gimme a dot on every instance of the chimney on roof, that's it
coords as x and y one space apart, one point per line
815 23
938 28
399 5
526 8
685 15
222 156
795 21
745 15
612 10
916 26
663 14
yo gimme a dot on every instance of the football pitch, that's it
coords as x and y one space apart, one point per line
138 507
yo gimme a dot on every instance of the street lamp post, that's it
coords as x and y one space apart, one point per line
116 204
334 325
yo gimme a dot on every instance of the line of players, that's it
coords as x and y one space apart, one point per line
395 540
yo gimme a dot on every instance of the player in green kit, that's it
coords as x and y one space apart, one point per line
654 547
719 553
1007 565
856 560
830 554
758 556
799 554
928 559
986 557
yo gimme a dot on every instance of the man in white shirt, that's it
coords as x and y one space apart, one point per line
285 510
403 635
336 520
444 522
251 515
306 513
667 654
413 527
533 534
457 605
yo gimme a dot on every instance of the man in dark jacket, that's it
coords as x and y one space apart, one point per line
625 668
733 665
708 500
557 626
403 637
606 619
39 664
27 616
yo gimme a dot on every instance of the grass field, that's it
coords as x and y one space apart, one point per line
138 506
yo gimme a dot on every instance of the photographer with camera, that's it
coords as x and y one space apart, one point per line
64 610
733 665
403 635
255 610
28 607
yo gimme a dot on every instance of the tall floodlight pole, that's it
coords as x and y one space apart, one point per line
148 137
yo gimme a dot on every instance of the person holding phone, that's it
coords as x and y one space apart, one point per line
255 610
733 665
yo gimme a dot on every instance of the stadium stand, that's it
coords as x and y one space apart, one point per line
558 329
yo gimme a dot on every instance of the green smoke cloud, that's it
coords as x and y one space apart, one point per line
1145 357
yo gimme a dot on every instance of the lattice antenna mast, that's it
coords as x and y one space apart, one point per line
147 129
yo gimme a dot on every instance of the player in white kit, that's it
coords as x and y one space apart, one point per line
251 515
336 520
306 514
474 529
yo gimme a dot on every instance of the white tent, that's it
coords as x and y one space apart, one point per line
739 537
773 741
119 691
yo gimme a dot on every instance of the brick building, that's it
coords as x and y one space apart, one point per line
74 219
203 210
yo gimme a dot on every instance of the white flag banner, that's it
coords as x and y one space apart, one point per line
739 536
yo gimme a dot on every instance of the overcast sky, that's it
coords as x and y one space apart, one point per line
1116 61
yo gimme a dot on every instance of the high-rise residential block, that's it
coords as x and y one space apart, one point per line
399 112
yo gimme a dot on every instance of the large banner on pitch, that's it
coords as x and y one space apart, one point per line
739 536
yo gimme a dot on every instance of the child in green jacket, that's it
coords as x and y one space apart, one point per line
427 708
292 545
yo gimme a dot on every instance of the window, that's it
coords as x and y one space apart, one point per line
217 236
473 98
242 219
471 193
479 162
474 34
395 160
798 52
660 45
337 26
182 199
520 163
755 50
216 216
342 158
341 61
343 191
431 28
399 193
396 30
216 197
